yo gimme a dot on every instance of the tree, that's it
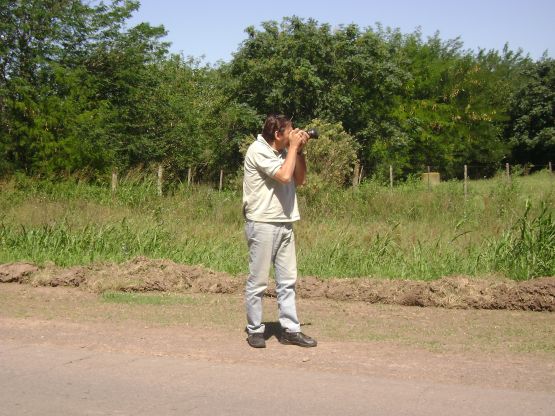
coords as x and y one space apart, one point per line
70 76
531 128
452 111
307 71
40 39
406 101
200 126
279 68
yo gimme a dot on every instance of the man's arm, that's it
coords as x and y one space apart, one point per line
286 173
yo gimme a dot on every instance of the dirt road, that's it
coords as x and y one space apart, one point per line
67 352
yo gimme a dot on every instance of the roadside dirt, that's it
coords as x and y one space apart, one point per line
500 349
143 275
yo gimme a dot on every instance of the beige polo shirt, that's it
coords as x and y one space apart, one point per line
265 199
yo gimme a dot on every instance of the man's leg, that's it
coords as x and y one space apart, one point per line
285 262
260 239
286 277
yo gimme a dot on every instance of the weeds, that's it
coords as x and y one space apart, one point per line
65 246
528 248
404 232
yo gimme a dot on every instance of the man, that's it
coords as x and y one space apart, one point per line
274 166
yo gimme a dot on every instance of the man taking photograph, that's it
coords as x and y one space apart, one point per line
274 166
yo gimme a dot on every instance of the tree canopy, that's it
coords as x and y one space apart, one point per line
82 91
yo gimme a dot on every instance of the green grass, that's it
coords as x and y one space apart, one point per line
408 232
146 299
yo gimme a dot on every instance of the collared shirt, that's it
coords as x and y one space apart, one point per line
265 199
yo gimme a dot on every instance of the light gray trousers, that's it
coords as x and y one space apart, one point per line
271 243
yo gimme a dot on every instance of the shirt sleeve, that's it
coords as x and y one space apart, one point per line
266 163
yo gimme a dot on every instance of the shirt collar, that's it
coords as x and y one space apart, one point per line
263 140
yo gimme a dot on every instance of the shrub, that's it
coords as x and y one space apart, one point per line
333 155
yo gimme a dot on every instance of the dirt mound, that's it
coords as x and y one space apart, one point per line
138 275
143 274
16 272
462 292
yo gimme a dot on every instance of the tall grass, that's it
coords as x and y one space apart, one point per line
528 248
405 232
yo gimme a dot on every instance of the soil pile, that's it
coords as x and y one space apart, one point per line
143 274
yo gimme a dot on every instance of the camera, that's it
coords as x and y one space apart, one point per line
312 133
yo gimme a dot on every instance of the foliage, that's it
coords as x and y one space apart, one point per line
332 156
406 232
82 92
408 102
531 129
52 119
203 126
527 249
307 71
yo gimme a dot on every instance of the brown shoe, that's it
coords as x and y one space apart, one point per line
256 340
297 338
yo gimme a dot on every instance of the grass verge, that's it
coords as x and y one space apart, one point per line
406 232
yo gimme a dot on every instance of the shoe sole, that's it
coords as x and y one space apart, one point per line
256 346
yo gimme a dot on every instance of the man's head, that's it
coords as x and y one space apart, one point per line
276 130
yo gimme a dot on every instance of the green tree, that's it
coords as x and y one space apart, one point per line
277 69
200 126
125 66
452 110
77 86
531 128
307 70
35 39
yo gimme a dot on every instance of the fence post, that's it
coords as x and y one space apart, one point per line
221 178
160 175
391 176
508 172
428 178
550 169
114 182
189 176
356 173
465 181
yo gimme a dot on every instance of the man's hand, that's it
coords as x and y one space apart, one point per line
297 139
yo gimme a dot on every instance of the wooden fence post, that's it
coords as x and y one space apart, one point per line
465 182
189 176
356 173
428 178
391 176
114 182
221 178
508 172
160 175
550 169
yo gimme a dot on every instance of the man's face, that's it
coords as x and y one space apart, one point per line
282 139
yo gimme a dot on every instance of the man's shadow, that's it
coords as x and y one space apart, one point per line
272 329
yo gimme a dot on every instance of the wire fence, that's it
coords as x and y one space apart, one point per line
430 175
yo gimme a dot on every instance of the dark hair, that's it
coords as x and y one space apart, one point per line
273 123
